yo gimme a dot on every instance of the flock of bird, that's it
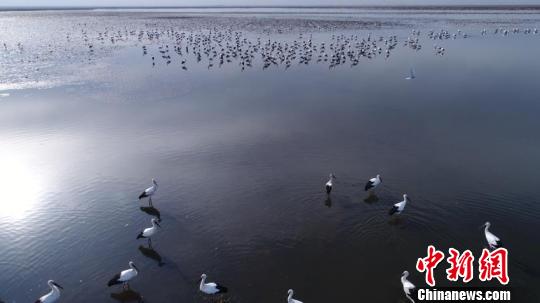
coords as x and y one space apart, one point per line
217 46
222 47
192 44
212 288
371 185
408 287
123 277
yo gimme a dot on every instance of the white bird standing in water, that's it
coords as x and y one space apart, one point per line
290 298
373 182
411 75
53 295
408 287
493 241
400 206
149 192
124 276
211 288
150 231
329 183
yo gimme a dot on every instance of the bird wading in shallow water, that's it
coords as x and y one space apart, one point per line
124 276
53 295
290 299
400 206
492 240
408 288
147 233
329 184
373 183
149 192
211 288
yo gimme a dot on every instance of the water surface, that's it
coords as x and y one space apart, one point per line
242 156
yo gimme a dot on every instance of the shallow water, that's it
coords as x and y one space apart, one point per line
242 156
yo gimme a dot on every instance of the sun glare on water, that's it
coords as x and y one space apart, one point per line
20 186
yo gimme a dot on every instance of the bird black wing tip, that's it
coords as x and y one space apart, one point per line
222 289
114 280
393 210
368 185
111 283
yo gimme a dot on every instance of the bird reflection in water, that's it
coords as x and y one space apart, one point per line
127 296
152 211
217 300
328 202
371 198
398 221
151 253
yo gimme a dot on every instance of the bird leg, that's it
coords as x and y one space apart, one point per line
149 242
150 202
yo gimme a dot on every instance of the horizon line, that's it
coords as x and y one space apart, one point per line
381 6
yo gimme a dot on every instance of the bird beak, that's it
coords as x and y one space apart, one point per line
137 269
57 285
157 224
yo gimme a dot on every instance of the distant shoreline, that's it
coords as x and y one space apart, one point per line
381 7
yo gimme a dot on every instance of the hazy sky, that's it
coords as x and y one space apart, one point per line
248 2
